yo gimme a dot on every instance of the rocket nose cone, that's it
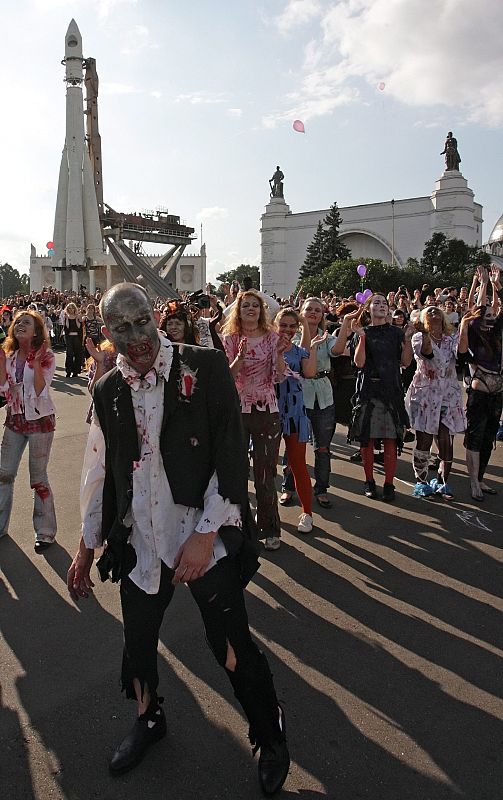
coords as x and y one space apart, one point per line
73 39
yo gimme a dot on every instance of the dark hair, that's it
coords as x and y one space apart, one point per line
176 311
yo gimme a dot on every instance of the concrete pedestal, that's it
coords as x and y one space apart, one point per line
274 263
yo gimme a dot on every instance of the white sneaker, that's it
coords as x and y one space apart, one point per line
305 523
272 543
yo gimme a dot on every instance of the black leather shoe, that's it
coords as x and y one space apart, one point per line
41 546
274 763
388 492
370 489
132 749
273 766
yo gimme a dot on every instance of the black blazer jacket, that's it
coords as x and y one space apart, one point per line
201 434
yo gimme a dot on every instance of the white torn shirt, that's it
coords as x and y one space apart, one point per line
159 525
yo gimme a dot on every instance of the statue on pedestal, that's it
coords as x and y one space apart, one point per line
452 157
276 183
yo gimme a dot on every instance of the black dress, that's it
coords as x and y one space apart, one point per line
378 403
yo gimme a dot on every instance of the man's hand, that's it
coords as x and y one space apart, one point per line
78 579
193 557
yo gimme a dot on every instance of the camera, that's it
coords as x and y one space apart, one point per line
199 299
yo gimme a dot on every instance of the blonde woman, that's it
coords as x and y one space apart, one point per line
434 402
72 329
26 370
256 358
317 390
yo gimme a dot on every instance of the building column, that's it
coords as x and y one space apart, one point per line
109 276
59 281
92 281
75 281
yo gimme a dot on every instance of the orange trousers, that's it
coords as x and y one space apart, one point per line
296 453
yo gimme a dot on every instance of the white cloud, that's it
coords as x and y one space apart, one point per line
118 88
234 112
212 213
156 94
137 40
429 53
202 98
297 13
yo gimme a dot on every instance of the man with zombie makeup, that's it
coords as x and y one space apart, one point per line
164 486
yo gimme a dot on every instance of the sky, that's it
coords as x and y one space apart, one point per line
197 101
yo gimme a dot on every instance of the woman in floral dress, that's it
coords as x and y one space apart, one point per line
434 400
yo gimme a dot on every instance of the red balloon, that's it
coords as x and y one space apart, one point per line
50 245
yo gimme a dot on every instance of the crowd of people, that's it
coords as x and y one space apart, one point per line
173 426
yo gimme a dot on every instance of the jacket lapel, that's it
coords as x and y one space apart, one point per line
128 434
171 389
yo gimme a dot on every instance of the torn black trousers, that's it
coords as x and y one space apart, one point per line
219 596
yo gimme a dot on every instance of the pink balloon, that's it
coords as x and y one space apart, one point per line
366 294
298 126
361 270
381 86
360 298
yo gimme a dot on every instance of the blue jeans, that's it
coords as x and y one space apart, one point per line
39 445
323 428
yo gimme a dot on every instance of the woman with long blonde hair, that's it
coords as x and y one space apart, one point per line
318 391
256 357
434 400
26 370
72 329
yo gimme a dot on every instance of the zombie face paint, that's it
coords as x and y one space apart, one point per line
130 325
378 307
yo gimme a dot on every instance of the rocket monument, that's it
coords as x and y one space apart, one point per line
78 243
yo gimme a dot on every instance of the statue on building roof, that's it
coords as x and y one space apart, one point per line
452 157
276 183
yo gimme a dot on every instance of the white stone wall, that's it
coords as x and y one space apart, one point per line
190 273
368 229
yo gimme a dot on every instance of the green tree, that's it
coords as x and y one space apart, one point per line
12 282
313 259
241 272
342 277
333 249
451 260
326 246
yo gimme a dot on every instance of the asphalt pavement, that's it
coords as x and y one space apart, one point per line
383 628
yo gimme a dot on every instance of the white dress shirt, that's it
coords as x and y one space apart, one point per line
159 525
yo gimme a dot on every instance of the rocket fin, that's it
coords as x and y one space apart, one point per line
59 237
92 231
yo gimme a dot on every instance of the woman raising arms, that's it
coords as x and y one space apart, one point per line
434 400
317 390
378 407
26 370
256 357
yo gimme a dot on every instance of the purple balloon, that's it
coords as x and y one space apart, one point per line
361 270
366 294
360 298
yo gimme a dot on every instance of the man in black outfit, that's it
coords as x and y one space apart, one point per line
165 487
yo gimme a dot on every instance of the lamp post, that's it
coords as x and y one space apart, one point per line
1 280
392 233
